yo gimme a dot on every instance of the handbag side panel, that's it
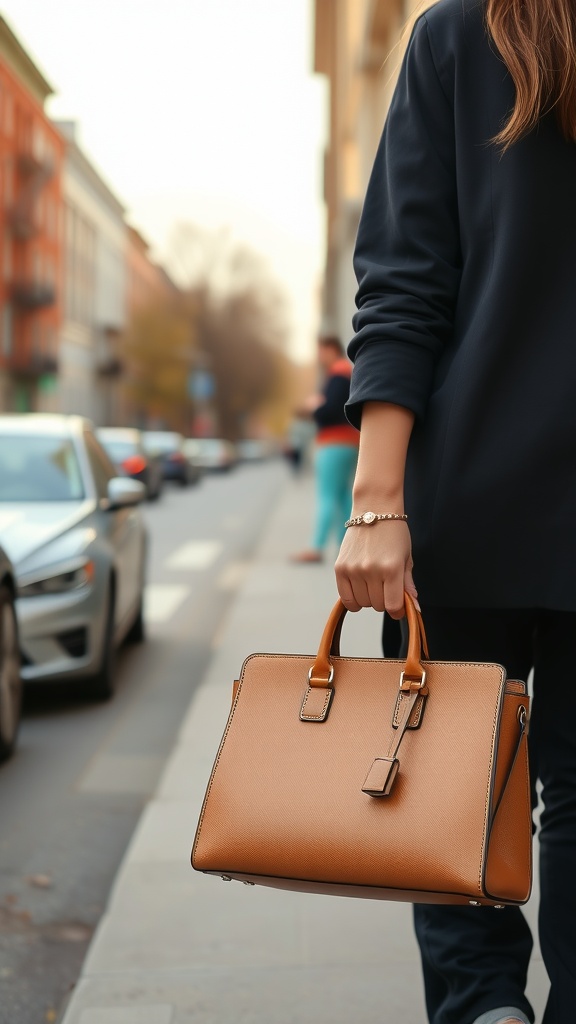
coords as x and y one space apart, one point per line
508 868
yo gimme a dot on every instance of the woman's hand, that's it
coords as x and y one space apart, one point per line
374 568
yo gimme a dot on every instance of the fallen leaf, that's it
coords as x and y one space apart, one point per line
50 1016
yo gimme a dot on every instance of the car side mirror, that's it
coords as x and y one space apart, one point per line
123 492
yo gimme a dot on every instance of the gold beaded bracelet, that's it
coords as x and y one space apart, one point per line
367 518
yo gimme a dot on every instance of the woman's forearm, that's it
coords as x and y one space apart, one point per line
384 438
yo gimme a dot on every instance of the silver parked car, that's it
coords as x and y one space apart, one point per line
78 544
211 453
10 681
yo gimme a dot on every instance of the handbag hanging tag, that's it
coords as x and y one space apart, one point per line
381 776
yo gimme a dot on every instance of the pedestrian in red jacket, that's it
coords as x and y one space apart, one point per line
336 450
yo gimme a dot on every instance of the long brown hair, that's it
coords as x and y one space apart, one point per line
537 41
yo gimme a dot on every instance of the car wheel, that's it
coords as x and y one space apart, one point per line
102 684
10 681
137 632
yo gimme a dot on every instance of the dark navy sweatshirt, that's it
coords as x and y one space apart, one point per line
466 267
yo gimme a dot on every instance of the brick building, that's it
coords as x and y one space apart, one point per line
31 153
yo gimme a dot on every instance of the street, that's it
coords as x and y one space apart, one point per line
72 795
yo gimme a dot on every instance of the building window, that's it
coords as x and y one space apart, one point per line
7 259
37 334
7 331
8 114
51 218
38 144
8 182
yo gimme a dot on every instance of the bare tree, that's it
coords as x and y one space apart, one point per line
159 347
240 322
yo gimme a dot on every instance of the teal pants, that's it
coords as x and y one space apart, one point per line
335 465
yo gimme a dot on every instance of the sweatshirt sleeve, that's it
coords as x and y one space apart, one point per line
407 258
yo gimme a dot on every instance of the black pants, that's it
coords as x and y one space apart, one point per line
476 959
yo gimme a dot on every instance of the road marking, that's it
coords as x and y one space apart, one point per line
232 576
122 773
161 600
160 1013
197 554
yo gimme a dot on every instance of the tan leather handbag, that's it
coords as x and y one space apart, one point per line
373 777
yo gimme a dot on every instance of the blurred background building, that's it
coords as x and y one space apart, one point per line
90 323
358 47
94 288
30 232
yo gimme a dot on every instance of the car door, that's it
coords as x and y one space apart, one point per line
124 531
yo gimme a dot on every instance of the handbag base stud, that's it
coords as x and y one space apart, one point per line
499 906
226 878
474 903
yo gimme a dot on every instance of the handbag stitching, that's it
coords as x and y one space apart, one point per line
488 792
416 714
528 807
528 799
239 875
217 762
314 718
370 661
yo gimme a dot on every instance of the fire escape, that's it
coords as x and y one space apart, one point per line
28 293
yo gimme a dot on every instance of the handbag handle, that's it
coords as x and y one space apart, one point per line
322 671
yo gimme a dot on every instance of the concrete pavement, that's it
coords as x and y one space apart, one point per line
175 946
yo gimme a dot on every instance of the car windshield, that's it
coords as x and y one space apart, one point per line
119 450
211 445
39 469
157 443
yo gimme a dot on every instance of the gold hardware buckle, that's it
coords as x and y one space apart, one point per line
327 681
408 685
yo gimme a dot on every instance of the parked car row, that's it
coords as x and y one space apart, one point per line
154 456
10 679
168 447
74 545
74 561
211 453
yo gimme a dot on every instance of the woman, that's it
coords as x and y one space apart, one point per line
336 450
463 385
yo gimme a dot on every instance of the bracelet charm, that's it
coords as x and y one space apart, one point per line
367 518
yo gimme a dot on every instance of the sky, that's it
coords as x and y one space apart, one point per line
198 110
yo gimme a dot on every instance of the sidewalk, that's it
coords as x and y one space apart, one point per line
175 946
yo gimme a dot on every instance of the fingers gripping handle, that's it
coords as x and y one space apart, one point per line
319 692
322 670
